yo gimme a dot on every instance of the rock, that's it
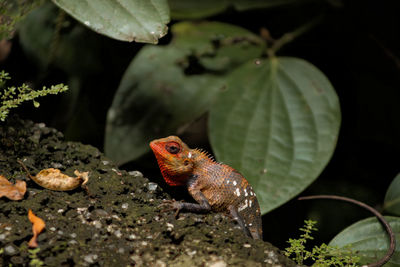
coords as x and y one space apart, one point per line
91 258
10 250
152 186
118 216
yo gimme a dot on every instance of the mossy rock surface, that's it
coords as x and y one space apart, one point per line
118 222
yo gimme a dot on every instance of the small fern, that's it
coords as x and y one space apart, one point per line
323 255
12 97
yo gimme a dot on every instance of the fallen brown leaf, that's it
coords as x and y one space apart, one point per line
13 192
54 179
37 227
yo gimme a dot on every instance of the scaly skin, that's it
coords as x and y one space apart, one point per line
215 186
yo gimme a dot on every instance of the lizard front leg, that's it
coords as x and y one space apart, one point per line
200 207
194 189
202 204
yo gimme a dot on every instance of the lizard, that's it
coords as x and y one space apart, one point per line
213 185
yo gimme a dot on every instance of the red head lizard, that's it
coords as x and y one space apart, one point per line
215 186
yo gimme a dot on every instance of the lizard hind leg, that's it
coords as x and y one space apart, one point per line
236 216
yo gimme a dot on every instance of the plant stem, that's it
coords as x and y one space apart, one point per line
290 36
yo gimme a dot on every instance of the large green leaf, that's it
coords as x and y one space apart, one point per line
194 9
369 240
166 87
392 198
277 123
127 20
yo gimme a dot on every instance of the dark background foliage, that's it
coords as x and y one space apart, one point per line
356 46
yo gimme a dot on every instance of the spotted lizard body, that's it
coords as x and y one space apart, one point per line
215 186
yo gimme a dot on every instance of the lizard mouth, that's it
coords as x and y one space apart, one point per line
159 152
153 145
156 149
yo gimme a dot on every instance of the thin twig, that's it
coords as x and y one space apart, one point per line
25 168
55 40
388 52
388 228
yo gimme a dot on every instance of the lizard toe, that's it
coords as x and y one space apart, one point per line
171 205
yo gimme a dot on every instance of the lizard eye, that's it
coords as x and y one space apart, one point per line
173 147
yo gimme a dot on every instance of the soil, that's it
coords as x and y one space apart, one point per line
118 221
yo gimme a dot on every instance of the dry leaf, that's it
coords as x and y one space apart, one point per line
53 179
13 192
37 227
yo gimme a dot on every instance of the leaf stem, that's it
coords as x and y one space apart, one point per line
290 36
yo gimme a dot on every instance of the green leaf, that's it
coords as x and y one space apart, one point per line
277 123
36 104
217 46
194 9
167 87
369 240
392 198
126 20
154 98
